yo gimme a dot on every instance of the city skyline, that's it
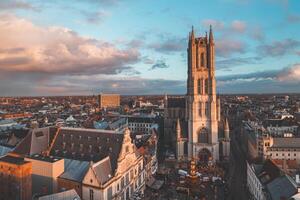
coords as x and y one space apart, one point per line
137 47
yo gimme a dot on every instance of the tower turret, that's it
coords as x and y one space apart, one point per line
226 129
178 129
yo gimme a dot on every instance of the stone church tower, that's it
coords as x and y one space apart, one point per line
201 101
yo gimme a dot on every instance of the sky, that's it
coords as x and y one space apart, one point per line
83 47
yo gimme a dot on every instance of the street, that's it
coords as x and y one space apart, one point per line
237 170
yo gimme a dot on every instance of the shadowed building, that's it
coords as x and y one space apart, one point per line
15 178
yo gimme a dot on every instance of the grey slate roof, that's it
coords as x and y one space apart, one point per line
282 187
4 150
103 170
75 170
66 195
88 145
286 143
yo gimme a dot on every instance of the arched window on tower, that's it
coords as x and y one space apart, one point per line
199 86
200 109
203 136
197 59
206 86
202 59
207 109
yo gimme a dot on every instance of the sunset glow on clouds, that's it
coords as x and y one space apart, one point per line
128 47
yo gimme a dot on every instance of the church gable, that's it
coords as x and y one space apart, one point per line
128 153
90 178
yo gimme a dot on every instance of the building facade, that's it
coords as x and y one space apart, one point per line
109 100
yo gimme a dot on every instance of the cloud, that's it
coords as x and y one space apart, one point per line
226 47
269 81
87 85
256 33
291 74
293 18
233 62
216 24
168 45
287 74
160 64
15 4
238 26
135 43
278 48
148 60
95 17
58 50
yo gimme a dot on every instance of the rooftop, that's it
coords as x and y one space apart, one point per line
13 160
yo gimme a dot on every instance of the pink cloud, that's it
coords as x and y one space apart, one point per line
57 50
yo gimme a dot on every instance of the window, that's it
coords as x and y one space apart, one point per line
127 178
202 59
207 109
122 182
200 109
203 136
197 59
91 194
206 86
199 86
109 193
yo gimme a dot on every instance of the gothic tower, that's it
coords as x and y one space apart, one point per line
202 114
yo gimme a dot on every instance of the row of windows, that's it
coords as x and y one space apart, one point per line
283 154
139 124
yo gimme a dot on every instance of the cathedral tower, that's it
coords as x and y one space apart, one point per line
202 114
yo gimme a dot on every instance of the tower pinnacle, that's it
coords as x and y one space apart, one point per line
211 37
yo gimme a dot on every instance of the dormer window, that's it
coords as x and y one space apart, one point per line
90 148
64 145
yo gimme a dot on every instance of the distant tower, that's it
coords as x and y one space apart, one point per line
180 141
226 140
202 111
